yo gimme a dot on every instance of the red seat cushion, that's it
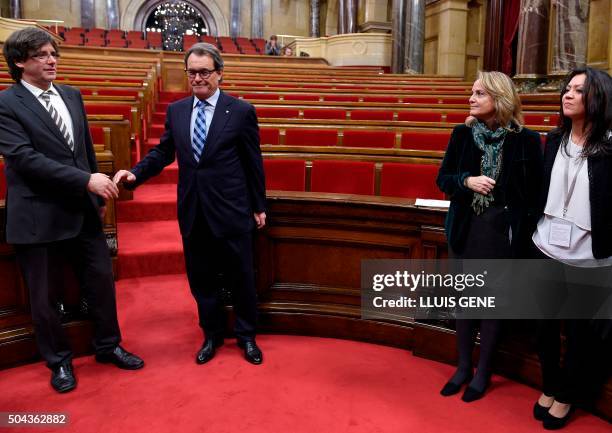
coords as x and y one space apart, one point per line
285 174
341 98
421 99
456 117
391 99
268 135
410 180
419 116
97 134
273 112
324 113
425 140
300 97
371 115
311 137
346 177
356 138
263 96
124 110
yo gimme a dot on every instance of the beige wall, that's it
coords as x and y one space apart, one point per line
67 10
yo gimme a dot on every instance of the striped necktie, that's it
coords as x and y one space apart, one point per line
46 96
199 130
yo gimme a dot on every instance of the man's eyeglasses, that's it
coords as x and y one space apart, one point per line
45 57
204 73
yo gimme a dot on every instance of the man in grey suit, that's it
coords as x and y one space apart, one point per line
55 202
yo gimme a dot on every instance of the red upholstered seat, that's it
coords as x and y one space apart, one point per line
301 97
118 92
410 180
155 39
138 44
118 33
311 137
357 138
421 99
341 98
189 40
117 43
391 99
425 140
261 96
95 33
317 86
346 177
285 174
324 113
133 35
456 117
419 116
268 135
209 40
273 112
123 110
371 115
97 134
534 119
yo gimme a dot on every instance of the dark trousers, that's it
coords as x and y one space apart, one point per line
42 268
213 263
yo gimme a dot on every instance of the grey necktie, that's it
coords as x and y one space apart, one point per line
46 96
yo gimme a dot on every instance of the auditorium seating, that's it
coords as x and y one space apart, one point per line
311 137
410 181
278 112
425 140
189 40
268 136
285 174
358 138
323 113
346 177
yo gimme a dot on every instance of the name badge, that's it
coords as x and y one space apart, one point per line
560 233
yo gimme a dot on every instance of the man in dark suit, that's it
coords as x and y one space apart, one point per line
55 201
221 196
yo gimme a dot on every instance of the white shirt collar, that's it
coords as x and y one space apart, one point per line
37 91
211 100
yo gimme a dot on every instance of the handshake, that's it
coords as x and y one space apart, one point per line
102 185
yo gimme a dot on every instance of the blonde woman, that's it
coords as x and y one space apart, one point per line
492 172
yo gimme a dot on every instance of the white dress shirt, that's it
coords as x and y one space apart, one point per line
57 102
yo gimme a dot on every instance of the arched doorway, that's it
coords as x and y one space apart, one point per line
173 19
138 12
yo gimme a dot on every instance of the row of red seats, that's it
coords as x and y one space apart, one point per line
354 177
226 44
386 115
97 37
416 140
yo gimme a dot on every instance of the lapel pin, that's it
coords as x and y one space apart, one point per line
226 111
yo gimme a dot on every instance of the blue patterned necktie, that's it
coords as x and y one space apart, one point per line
199 130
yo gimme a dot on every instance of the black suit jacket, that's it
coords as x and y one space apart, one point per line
517 188
600 193
47 193
228 181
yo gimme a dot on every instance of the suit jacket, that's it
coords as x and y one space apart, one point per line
600 194
517 188
228 181
47 193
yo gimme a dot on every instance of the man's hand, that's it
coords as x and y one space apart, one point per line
260 219
102 212
124 176
481 184
102 185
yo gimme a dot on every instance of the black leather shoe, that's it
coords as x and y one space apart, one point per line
252 353
539 411
453 388
551 422
62 378
208 350
472 394
121 358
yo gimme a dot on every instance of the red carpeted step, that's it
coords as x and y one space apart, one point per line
159 117
172 96
169 175
149 248
162 106
152 202
156 130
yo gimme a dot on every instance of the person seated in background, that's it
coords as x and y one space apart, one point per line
287 52
272 47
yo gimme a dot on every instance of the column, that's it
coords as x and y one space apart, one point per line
347 16
88 17
570 38
314 18
341 17
235 18
112 13
15 9
494 36
398 34
257 19
414 37
532 53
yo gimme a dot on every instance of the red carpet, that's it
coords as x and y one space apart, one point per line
304 385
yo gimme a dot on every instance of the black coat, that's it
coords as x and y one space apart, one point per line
46 182
517 188
228 182
600 194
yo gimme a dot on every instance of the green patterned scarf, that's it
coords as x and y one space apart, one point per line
491 143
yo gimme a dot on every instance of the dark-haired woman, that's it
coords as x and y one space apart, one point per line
492 172
575 230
